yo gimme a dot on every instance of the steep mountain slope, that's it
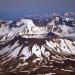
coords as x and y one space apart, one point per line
33 55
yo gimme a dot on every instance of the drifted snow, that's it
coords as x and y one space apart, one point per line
26 53
29 24
36 50
39 51
64 45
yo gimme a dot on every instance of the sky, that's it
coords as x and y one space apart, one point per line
18 8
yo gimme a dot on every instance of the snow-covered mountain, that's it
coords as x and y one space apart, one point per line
24 27
62 26
58 25
29 49
69 14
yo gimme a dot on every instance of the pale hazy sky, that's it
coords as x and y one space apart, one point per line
21 7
